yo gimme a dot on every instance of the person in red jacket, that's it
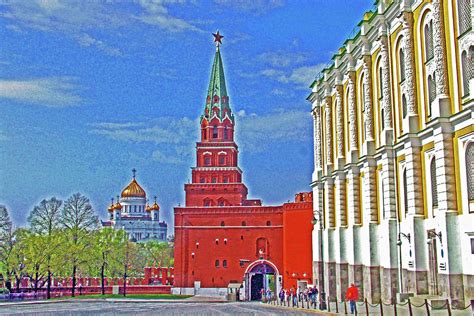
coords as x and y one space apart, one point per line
352 295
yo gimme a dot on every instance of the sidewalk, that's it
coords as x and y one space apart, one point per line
193 299
402 309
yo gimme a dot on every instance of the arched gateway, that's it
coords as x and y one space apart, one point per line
261 274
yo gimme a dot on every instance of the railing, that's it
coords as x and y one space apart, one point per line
364 307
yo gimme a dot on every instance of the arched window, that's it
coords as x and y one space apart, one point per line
244 223
431 91
402 64
434 184
404 106
207 161
470 171
214 132
224 263
269 223
429 49
405 191
466 65
464 12
221 160
217 263
226 133
222 223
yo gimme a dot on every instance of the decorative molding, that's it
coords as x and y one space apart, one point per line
368 117
386 86
439 41
352 111
339 120
328 129
409 51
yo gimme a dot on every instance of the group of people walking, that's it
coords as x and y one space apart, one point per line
291 297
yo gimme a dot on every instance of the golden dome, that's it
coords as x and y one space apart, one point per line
133 190
148 208
118 206
155 207
111 208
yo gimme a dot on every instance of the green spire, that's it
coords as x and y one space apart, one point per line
217 100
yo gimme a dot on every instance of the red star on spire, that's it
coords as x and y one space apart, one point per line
217 38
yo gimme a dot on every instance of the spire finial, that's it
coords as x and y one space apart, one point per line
118 198
218 39
134 171
155 198
112 200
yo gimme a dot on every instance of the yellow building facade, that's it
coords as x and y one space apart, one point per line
393 180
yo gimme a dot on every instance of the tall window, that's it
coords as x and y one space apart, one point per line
402 65
405 191
464 12
224 263
404 106
226 133
429 49
470 171
431 91
214 132
221 160
434 183
217 263
466 65
207 161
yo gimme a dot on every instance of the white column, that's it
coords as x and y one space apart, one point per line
340 125
387 138
352 116
328 130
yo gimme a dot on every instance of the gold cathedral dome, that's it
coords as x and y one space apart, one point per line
133 189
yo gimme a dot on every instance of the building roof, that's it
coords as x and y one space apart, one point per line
217 101
133 190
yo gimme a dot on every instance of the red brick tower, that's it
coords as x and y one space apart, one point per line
217 179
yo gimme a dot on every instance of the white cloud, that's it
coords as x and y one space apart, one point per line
251 6
87 41
301 76
280 59
78 19
256 133
166 158
175 137
50 92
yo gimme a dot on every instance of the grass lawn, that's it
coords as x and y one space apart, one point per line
131 296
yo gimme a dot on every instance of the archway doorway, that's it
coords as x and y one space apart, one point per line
261 274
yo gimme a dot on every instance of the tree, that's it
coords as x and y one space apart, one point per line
5 222
45 220
79 220
108 243
157 253
7 238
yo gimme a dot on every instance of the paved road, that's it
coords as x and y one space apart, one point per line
146 308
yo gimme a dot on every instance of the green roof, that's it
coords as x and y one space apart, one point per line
217 92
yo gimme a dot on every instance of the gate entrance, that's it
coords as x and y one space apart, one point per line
260 275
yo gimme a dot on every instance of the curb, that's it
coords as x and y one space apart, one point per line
111 300
314 311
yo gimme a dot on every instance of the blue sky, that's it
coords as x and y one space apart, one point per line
91 89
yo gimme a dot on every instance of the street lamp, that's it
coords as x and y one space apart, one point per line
322 294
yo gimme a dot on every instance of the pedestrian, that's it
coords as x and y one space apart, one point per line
352 295
262 294
282 296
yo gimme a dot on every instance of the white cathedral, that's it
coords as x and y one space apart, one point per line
133 214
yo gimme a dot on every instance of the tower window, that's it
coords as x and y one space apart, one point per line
226 133
222 224
207 161
222 160
269 223
224 263
214 132
217 263
244 223
203 180
226 179
214 180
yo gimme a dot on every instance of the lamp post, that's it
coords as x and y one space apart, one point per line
322 294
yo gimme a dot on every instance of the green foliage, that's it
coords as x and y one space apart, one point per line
64 239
